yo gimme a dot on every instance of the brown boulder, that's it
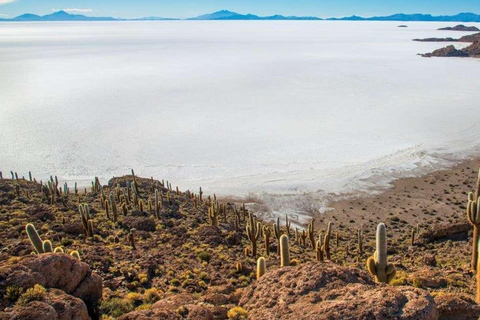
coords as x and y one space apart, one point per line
455 307
429 278
139 223
329 291
53 270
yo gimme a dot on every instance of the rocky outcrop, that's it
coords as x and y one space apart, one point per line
56 305
457 231
449 51
460 27
329 291
470 38
455 307
53 271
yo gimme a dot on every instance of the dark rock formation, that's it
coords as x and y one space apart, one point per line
460 27
449 51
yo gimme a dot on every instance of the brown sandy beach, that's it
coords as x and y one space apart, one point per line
438 197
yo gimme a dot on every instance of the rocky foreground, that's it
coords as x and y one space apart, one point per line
186 256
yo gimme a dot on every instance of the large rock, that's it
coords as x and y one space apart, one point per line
329 291
53 270
455 307
57 305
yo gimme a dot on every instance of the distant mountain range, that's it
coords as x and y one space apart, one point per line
229 15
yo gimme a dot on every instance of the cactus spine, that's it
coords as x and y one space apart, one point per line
377 264
34 238
261 267
58 250
284 251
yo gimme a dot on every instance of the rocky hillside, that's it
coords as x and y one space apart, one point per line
143 249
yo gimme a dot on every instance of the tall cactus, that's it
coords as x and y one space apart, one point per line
326 242
318 249
253 233
311 233
377 265
287 225
284 251
473 217
278 233
34 238
113 204
267 233
261 267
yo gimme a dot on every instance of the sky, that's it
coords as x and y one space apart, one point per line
191 8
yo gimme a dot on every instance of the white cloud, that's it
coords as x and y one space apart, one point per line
76 10
6 1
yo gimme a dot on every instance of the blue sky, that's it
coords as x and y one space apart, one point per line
190 8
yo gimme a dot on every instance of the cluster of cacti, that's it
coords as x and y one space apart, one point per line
87 223
377 264
34 238
37 243
254 230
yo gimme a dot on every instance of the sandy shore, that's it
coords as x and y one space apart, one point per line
438 197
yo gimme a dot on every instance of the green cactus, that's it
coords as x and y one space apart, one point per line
413 237
278 234
58 250
473 217
34 238
287 225
326 241
113 205
311 233
267 232
377 264
47 246
284 251
213 214
131 240
318 249
254 231
75 254
261 267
